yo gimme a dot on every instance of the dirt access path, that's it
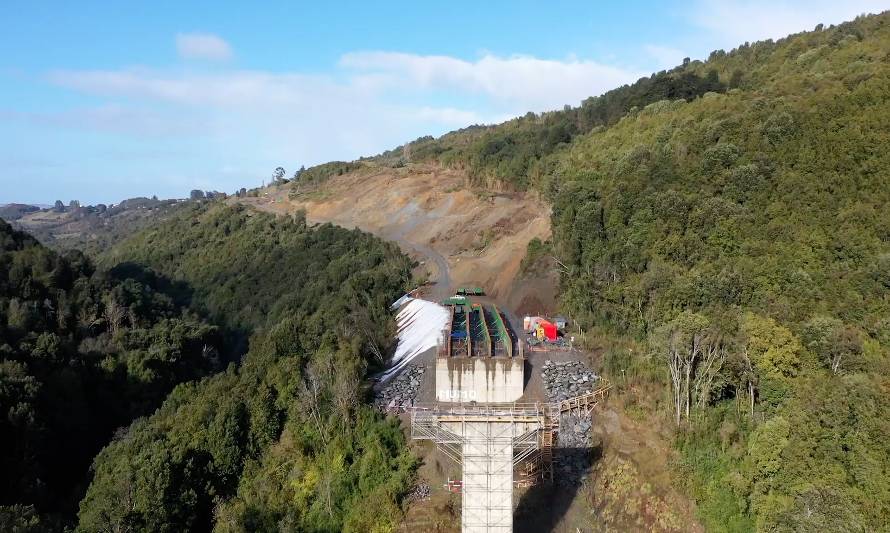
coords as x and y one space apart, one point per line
463 238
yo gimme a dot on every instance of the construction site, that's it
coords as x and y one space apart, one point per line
499 435
481 359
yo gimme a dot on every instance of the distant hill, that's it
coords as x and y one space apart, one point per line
90 229
11 212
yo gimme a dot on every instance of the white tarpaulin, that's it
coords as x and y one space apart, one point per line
420 323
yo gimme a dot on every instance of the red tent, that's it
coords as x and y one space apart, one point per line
548 329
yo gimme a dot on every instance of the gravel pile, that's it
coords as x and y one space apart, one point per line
567 379
401 392
421 491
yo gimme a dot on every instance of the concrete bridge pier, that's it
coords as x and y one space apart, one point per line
487 441
487 501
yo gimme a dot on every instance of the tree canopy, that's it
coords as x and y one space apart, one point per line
83 352
281 438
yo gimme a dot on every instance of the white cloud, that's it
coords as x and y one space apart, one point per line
203 46
448 115
520 83
233 87
253 119
249 121
371 101
737 21
509 85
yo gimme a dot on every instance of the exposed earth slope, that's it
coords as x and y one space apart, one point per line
463 237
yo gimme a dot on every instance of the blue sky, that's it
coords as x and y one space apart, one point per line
100 101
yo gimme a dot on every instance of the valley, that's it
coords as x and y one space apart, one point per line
703 257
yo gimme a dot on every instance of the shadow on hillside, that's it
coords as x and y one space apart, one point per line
543 506
235 342
179 291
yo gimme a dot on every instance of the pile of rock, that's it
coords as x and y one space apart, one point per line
574 453
420 492
563 380
401 392
574 431
567 379
573 466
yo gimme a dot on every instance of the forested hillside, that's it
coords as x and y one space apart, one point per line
247 268
282 440
731 217
746 236
285 440
81 353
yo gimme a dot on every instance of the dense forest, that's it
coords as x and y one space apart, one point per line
285 440
82 353
281 439
510 154
745 237
730 218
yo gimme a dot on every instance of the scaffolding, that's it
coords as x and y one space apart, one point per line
489 441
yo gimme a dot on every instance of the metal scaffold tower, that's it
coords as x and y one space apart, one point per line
488 441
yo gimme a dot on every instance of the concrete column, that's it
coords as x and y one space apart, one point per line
487 499
487 443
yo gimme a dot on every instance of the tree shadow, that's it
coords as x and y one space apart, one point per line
544 505
235 338
179 291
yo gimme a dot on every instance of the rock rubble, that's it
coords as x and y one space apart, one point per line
563 380
401 392
421 491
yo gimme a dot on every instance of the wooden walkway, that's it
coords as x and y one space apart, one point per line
583 405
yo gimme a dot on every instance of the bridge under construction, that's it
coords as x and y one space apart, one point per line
490 442
478 360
